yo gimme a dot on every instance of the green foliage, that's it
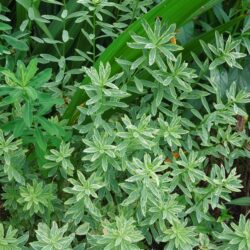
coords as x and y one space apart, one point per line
82 191
9 239
242 201
24 85
225 52
103 93
52 238
155 148
59 159
100 152
157 43
36 198
121 234
236 237
171 131
178 236
12 158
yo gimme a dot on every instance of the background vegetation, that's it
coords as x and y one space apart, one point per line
124 124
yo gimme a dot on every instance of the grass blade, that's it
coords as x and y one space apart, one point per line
243 201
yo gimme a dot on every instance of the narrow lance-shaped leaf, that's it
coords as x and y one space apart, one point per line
27 114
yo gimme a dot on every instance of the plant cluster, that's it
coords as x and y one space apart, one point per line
156 150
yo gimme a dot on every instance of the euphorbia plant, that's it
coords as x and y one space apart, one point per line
149 152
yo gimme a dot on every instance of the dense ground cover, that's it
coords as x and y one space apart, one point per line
124 124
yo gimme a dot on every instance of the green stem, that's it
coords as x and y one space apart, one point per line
94 33
241 14
134 11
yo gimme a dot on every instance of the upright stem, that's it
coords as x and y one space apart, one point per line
64 26
134 11
94 39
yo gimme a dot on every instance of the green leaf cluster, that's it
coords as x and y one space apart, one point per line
124 124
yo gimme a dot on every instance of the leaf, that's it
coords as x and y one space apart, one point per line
247 43
13 170
31 92
41 78
5 26
243 201
138 84
15 43
24 25
65 36
19 128
133 196
31 70
152 57
83 229
143 200
46 100
39 139
13 173
48 126
27 114
159 96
